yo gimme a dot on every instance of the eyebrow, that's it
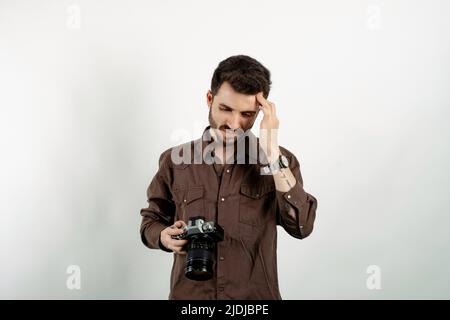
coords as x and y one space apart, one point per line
224 105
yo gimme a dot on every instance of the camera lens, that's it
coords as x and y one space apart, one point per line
200 259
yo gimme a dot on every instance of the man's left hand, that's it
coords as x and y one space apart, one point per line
268 137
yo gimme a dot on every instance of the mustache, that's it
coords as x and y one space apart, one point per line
226 127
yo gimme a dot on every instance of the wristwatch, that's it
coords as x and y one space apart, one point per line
280 163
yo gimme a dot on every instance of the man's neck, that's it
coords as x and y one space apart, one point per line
222 153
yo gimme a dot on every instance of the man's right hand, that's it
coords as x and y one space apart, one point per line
172 244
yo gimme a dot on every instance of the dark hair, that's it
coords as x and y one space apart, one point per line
244 74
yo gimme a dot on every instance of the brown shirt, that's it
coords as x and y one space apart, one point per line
248 207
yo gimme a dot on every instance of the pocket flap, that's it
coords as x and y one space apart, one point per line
186 195
194 193
256 191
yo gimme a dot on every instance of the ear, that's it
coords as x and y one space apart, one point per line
209 98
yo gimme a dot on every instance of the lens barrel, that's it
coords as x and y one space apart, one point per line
200 258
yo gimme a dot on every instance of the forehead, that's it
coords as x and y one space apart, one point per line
235 100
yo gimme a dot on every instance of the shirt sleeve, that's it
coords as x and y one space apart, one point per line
161 209
296 208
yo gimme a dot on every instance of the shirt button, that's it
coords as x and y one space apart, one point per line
228 170
301 227
223 199
221 258
289 196
184 200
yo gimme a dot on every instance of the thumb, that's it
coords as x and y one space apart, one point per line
179 224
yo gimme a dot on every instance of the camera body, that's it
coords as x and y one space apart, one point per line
202 238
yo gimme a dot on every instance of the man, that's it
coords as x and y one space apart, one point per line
247 198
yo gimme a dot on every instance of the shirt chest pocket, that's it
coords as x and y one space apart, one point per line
190 202
256 203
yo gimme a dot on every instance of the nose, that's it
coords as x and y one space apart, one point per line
234 123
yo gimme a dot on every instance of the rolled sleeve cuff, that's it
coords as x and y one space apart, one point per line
295 199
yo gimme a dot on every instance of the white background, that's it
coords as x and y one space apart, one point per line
91 92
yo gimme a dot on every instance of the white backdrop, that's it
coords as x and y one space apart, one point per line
91 92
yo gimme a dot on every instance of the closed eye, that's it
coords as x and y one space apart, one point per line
245 114
248 114
224 108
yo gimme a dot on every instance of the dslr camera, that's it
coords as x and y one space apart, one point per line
202 237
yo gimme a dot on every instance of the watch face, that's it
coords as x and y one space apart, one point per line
284 162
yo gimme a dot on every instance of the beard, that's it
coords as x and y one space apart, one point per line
221 131
220 134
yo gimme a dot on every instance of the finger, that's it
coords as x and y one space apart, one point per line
264 105
272 107
262 100
174 232
265 109
178 243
